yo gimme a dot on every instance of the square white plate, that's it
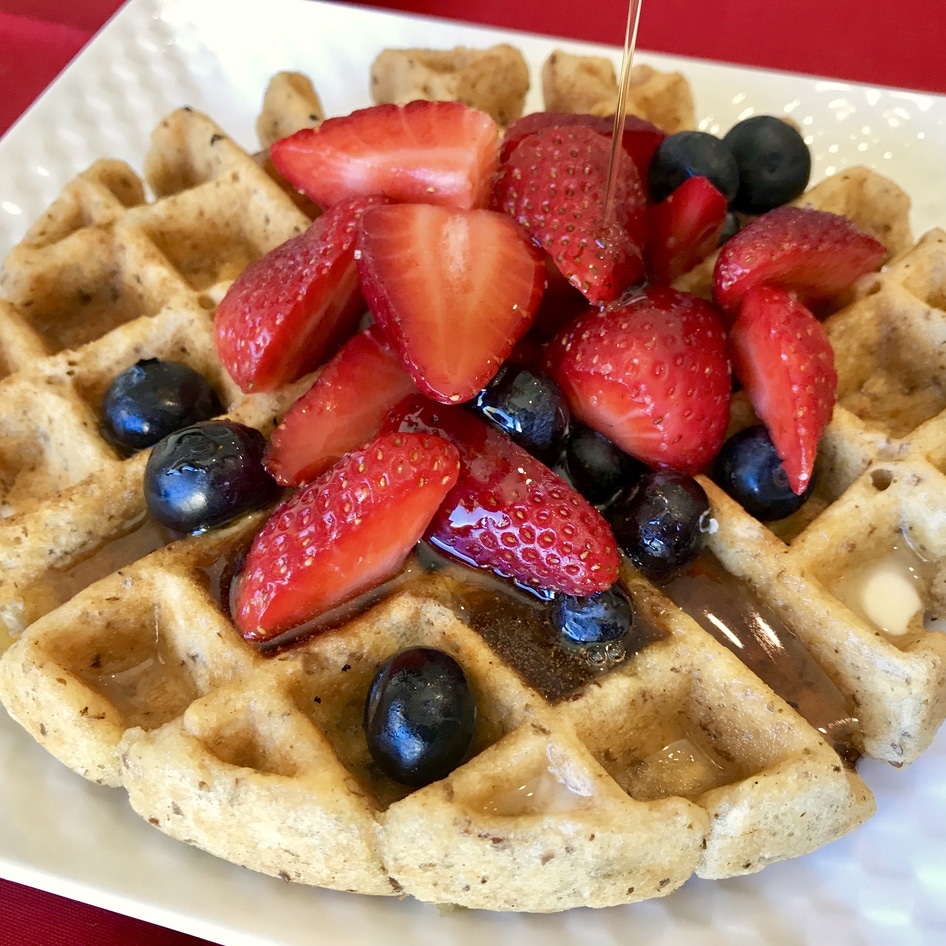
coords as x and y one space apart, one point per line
885 884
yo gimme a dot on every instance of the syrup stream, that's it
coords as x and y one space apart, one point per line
620 112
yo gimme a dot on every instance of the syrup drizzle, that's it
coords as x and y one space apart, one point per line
620 112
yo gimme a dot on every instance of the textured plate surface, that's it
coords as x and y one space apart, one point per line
885 884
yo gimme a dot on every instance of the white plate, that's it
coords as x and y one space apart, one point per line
885 884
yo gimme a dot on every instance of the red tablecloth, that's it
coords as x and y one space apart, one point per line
863 40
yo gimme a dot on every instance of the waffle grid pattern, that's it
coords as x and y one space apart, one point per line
139 679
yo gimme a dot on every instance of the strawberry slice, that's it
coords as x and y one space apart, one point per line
683 229
453 290
782 356
813 252
640 139
343 409
510 513
554 184
343 533
651 374
432 152
292 307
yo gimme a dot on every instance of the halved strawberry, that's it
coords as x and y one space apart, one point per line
683 228
554 184
651 374
812 252
453 290
343 409
783 358
433 152
292 307
510 513
343 533
640 138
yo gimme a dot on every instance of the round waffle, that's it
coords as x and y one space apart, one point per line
584 786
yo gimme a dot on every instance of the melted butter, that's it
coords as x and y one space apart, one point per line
554 790
546 793
682 767
891 593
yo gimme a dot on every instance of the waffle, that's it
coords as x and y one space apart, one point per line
589 783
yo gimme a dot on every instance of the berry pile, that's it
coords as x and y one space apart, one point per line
531 394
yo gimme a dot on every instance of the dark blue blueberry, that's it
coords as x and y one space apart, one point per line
419 717
660 522
593 619
749 469
773 160
597 467
207 475
730 228
692 154
152 399
529 407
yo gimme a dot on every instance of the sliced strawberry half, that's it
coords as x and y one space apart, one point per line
342 410
640 139
292 307
453 290
510 513
815 253
652 374
554 185
433 152
683 229
782 356
343 533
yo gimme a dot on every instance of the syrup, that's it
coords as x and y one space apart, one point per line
728 609
620 112
515 624
142 537
512 620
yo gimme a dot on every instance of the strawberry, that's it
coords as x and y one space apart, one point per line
554 184
342 534
343 409
812 252
432 152
640 138
683 228
782 356
651 374
453 290
289 309
510 513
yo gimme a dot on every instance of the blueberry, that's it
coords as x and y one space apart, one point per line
692 154
659 523
152 399
529 407
773 160
731 227
597 467
748 468
593 619
207 475
419 716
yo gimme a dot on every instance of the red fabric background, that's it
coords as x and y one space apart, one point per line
863 40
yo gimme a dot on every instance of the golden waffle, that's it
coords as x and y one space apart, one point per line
586 785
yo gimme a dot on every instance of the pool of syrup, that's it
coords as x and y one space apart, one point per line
729 610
